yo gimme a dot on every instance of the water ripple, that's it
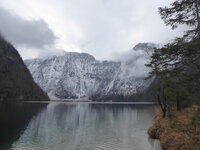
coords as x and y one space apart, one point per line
88 127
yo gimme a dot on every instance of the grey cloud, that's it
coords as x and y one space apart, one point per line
110 26
99 27
28 33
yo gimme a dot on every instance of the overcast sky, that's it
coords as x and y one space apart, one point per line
102 28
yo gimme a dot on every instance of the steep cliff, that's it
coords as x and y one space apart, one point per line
16 82
80 75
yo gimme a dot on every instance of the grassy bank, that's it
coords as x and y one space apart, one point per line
178 131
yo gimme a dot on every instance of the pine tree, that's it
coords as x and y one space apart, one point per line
176 66
183 12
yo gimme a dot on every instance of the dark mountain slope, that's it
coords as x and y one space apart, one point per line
16 82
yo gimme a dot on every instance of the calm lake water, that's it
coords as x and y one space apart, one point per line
76 126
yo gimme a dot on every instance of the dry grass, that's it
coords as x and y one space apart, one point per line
179 132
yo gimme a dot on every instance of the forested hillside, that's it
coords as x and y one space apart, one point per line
16 82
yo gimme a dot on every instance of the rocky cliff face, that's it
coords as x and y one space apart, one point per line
80 75
16 82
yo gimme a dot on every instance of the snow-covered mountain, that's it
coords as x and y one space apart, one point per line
80 75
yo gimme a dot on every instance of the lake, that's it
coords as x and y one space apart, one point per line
76 126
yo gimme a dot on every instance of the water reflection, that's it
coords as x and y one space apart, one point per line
84 126
14 117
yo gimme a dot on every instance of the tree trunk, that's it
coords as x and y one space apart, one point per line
163 106
178 107
164 113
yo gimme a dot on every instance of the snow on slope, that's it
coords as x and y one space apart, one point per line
80 75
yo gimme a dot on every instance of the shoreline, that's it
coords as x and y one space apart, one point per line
178 131
94 102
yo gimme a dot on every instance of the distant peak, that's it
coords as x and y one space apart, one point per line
145 46
66 54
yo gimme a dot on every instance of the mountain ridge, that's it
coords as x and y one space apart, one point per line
80 75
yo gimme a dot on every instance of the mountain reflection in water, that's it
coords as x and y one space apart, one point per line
89 126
